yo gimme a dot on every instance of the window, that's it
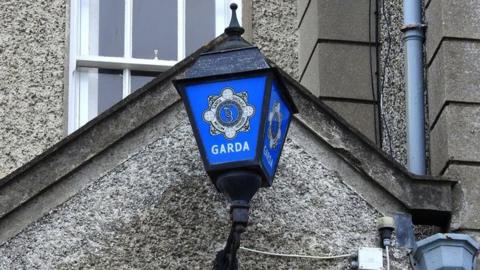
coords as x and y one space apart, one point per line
117 46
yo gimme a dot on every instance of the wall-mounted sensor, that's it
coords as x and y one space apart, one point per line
386 226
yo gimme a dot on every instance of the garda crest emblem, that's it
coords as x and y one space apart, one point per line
228 113
274 125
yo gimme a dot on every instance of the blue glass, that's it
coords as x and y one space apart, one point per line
275 131
227 115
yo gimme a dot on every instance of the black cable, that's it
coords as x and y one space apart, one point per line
382 82
371 66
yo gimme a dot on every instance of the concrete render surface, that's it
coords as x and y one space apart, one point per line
32 56
451 20
467 211
341 71
360 115
453 76
455 137
335 21
452 47
22 191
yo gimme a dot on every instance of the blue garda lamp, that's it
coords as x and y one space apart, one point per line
240 112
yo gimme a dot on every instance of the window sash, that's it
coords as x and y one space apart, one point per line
79 55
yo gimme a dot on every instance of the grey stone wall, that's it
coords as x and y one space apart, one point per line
32 53
346 27
158 210
337 59
453 50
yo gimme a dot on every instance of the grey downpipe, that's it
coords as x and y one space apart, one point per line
414 37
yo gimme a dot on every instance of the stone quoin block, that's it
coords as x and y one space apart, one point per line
466 214
341 70
455 19
359 115
455 136
311 78
453 75
308 35
301 8
345 21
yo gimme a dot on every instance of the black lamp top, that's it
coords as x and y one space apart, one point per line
233 54
234 29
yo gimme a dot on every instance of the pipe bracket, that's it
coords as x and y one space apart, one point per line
413 26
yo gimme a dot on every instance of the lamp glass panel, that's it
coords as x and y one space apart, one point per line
278 118
227 116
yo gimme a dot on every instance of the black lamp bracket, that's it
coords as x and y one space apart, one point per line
239 187
226 259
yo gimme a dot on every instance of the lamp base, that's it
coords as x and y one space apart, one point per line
239 185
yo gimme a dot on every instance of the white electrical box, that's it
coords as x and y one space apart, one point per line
370 258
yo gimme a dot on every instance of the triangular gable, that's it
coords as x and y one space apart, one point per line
47 181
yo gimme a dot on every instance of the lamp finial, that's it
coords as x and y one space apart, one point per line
234 28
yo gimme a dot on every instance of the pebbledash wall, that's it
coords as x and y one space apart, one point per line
146 202
33 52
32 56
156 209
391 80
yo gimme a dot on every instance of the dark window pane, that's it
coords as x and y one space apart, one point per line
111 21
200 23
140 78
110 83
155 28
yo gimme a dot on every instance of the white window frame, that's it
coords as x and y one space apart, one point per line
79 33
